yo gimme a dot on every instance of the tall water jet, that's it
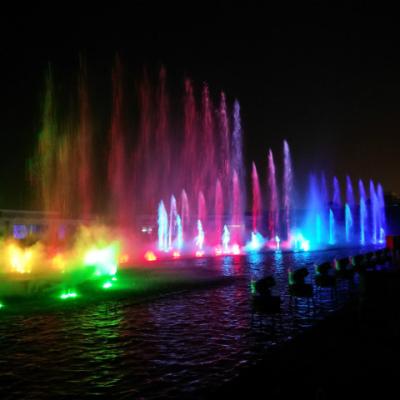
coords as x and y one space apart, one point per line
273 208
348 222
172 222
184 213
287 186
237 167
84 147
323 220
226 237
45 164
219 210
382 212
162 227
179 232
143 155
318 227
349 193
374 212
337 199
202 213
315 220
324 192
363 212
206 147
56 166
199 239
332 238
117 159
225 158
337 207
190 137
237 143
256 209
162 144
47 143
236 209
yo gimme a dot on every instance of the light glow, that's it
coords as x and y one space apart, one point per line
150 256
103 259
235 249
68 294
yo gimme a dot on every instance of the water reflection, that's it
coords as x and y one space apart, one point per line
173 346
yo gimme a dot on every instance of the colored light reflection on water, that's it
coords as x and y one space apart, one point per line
168 339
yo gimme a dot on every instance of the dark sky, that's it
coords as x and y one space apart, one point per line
325 76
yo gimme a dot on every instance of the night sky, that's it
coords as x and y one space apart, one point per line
325 77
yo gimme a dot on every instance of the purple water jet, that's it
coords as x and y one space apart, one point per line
256 209
273 206
287 187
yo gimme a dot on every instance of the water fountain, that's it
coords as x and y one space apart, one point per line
181 175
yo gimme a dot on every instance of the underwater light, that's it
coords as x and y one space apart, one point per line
277 241
235 249
107 285
20 259
199 253
68 295
176 254
104 260
124 258
150 256
256 242
253 287
1 305
302 243
59 262
218 251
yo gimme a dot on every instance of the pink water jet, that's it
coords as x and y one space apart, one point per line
273 205
256 209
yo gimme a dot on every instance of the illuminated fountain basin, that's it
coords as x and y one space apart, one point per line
39 269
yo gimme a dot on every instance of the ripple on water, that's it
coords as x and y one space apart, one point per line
169 347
